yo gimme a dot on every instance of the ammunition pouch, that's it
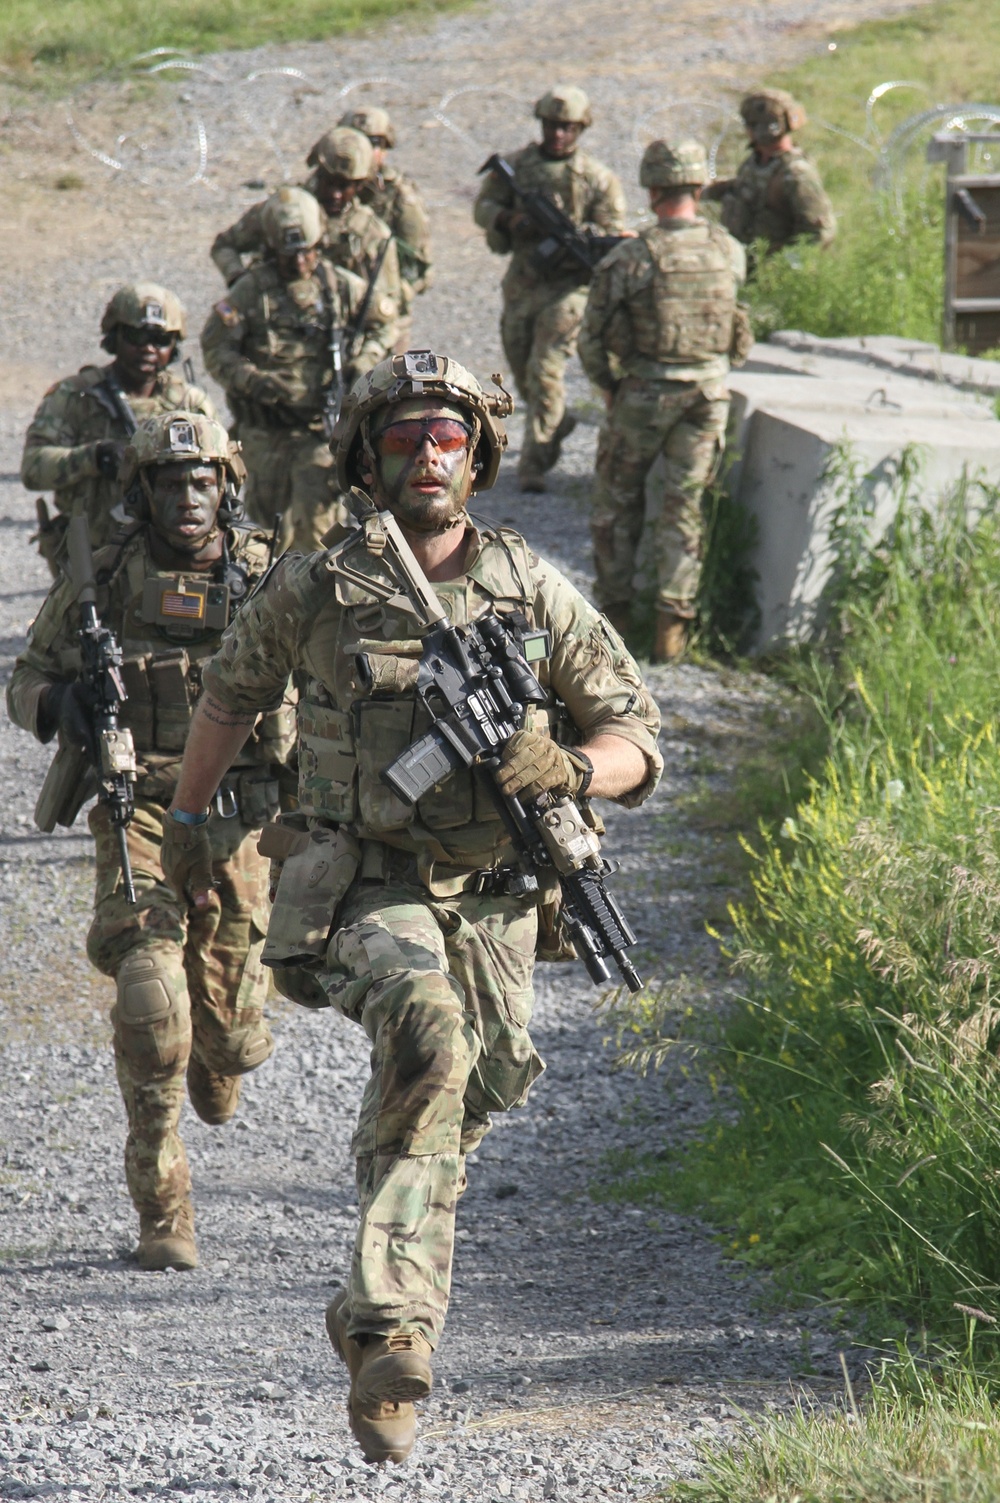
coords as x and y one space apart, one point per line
742 339
314 869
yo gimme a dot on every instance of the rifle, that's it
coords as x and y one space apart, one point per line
476 682
561 238
73 776
343 340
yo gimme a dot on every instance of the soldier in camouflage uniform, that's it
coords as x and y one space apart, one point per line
268 342
542 308
191 986
352 234
777 194
78 435
657 338
423 940
396 200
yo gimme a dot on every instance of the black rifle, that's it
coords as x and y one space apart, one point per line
561 240
476 683
67 786
344 339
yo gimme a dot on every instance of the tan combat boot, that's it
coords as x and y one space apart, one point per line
670 634
214 1097
167 1241
531 483
384 1430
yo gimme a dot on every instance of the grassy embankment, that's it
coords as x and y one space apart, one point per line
862 1163
884 273
60 41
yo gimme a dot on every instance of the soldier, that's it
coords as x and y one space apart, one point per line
191 986
431 951
352 235
542 308
777 194
78 435
397 202
657 335
269 343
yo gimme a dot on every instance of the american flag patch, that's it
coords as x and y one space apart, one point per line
172 603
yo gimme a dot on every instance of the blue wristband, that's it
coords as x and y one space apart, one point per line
182 817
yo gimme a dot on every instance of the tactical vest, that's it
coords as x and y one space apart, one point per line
169 626
348 735
684 312
288 332
755 206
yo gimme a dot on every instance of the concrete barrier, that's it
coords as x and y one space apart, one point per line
798 401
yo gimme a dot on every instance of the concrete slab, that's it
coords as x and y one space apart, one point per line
799 406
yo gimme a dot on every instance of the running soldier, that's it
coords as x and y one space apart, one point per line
543 305
273 342
396 200
660 327
77 437
190 983
425 938
352 234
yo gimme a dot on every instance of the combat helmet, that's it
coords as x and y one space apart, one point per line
420 373
140 304
343 152
673 164
179 437
565 103
771 113
371 122
291 221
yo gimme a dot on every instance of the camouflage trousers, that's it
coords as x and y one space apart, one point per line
539 328
291 473
442 988
187 983
681 424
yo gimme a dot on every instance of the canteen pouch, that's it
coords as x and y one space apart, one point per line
318 866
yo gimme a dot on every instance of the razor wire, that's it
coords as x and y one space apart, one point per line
174 138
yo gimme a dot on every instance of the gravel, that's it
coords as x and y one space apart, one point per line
590 1346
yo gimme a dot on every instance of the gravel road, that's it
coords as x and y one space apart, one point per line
589 1347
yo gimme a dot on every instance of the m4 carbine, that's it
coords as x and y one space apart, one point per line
564 246
72 778
476 682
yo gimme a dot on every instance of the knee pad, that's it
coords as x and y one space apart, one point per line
237 1052
152 1016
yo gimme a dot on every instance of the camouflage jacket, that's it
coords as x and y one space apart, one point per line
353 240
266 326
779 201
661 306
60 449
396 201
163 649
307 621
587 191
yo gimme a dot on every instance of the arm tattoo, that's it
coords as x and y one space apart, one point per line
222 715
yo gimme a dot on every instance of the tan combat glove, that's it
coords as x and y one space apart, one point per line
186 858
534 764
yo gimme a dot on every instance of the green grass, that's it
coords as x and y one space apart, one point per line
883 275
63 40
919 1439
856 1152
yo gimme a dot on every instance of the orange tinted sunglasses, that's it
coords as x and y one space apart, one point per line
446 434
